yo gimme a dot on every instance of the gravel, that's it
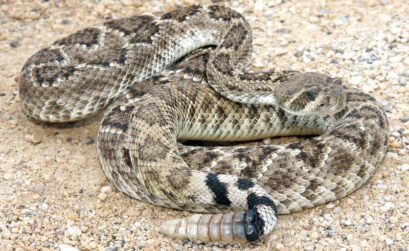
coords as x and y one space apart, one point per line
405 119
48 203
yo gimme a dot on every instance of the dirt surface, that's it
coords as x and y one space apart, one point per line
54 194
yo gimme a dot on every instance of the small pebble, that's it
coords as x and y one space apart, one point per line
102 196
398 236
18 181
396 59
299 53
395 134
324 11
388 206
284 31
356 80
309 247
114 248
404 119
402 152
349 55
58 233
388 241
404 167
14 44
331 233
89 141
7 176
106 189
44 206
64 247
369 220
74 231
40 189
32 138
133 212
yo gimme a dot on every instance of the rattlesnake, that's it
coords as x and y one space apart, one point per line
205 95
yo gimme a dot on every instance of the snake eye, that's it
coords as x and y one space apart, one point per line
310 95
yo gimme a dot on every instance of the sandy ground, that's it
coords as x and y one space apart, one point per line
54 195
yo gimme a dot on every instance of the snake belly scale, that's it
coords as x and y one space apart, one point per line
158 84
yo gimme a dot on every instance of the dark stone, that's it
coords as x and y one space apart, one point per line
14 44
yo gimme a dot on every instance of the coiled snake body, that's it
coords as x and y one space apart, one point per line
206 96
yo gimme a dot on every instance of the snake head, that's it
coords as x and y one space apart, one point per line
310 94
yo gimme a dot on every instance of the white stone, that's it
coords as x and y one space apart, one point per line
74 231
65 247
6 233
388 206
395 30
404 167
106 189
356 80
393 75
284 42
369 220
269 13
314 19
348 55
259 5
396 59
388 241
7 176
44 206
